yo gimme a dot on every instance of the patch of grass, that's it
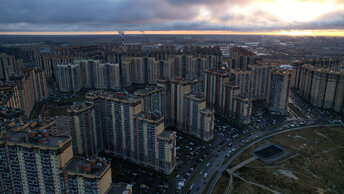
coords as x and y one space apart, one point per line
317 165
209 182
241 187
296 111
221 185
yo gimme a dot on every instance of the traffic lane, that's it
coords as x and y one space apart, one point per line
198 182
216 166
221 167
238 153
191 164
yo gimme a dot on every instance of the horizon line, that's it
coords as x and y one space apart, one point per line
322 32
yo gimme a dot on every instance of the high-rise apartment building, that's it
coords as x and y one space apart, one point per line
153 100
7 66
68 77
214 88
48 63
143 70
323 88
167 151
231 91
122 129
190 66
86 176
83 129
125 70
243 79
198 119
88 74
165 68
240 58
243 109
259 81
279 91
156 147
175 90
32 87
35 162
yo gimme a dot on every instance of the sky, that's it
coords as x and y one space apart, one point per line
290 17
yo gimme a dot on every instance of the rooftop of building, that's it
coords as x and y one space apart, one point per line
122 95
79 165
119 188
125 96
322 70
179 80
148 90
155 116
221 72
20 124
42 138
167 134
231 84
196 95
243 97
208 110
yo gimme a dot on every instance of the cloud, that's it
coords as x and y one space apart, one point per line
141 15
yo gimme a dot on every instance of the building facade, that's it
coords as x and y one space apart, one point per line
35 162
88 74
321 87
82 129
279 91
214 89
124 129
198 119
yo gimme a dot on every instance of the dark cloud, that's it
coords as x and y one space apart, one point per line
141 15
90 12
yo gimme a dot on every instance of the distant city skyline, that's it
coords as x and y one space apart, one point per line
323 32
248 17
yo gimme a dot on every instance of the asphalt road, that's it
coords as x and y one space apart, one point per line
261 134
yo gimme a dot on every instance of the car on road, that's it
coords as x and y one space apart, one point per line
191 187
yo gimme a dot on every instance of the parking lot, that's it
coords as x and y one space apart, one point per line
191 153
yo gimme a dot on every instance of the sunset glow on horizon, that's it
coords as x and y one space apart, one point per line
223 17
328 32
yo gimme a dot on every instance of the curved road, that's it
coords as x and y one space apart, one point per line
262 136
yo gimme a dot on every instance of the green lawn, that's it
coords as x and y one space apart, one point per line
315 165
209 182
